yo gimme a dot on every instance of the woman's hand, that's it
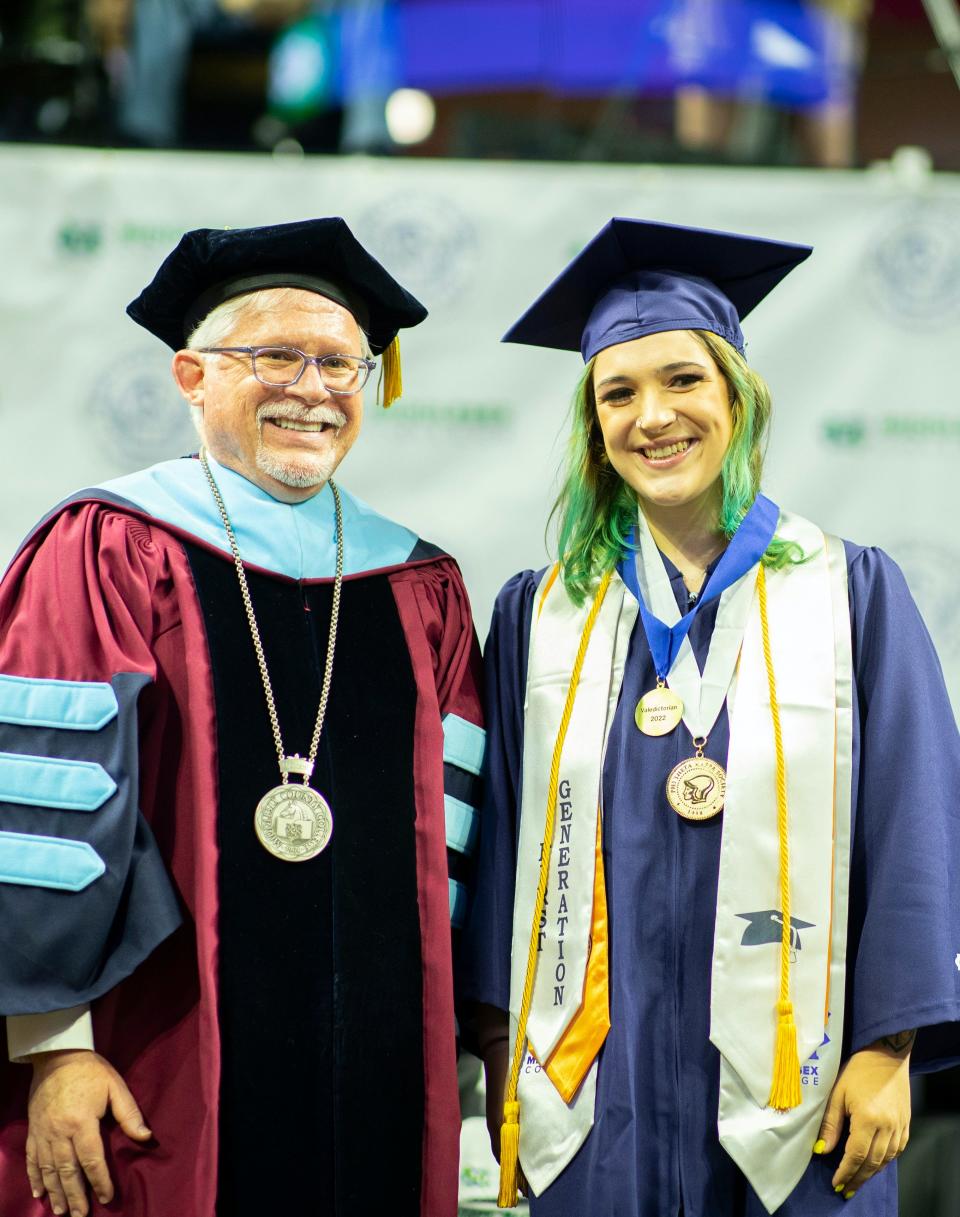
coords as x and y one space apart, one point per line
873 1092
70 1094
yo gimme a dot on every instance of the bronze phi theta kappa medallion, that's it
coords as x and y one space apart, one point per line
696 788
294 822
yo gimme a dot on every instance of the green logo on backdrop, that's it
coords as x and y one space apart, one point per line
77 238
131 233
930 427
845 432
853 432
481 414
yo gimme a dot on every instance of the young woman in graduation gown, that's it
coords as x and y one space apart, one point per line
716 917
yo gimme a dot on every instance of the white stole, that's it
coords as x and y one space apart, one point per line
810 640
551 1132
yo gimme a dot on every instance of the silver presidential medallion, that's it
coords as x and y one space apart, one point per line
294 822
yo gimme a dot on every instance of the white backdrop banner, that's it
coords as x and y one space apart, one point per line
859 344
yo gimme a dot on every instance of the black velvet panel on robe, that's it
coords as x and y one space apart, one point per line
320 963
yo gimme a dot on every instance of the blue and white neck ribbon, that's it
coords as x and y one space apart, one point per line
702 694
745 550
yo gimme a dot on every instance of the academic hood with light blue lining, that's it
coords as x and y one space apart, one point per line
297 540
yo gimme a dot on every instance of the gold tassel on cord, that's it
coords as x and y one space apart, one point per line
509 1156
391 378
785 1091
785 1085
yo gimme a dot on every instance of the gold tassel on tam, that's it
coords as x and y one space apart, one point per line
509 1156
391 378
785 1086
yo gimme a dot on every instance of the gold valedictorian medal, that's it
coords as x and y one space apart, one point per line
292 821
697 786
658 711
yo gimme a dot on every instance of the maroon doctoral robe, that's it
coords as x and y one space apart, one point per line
281 1026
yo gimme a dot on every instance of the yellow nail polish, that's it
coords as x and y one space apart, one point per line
819 1146
839 1187
849 1195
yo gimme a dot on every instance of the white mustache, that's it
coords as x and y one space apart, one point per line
318 414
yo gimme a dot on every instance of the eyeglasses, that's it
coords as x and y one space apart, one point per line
281 367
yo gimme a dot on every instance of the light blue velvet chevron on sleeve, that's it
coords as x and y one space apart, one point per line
84 893
71 705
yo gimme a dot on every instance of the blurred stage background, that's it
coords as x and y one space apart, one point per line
475 145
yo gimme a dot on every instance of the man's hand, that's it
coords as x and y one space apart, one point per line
873 1091
495 1065
490 1029
69 1096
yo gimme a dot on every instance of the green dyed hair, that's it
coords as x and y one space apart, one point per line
596 509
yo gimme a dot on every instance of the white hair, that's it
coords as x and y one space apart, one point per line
220 322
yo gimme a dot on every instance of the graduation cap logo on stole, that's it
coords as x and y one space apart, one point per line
767 926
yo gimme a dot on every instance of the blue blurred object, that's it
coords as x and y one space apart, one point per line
451 46
773 50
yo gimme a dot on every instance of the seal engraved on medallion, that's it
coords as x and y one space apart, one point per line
696 788
294 822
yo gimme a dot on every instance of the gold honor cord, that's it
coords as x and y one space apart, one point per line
510 1129
785 1086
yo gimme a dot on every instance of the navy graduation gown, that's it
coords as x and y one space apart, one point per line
654 1150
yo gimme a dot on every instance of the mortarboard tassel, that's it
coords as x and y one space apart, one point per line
785 1085
509 1156
391 375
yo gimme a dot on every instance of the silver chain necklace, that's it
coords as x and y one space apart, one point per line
293 822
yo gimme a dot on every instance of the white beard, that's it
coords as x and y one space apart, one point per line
302 472
305 470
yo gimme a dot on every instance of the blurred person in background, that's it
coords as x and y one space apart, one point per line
147 47
683 1012
706 120
254 981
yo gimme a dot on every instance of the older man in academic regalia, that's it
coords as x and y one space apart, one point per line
240 729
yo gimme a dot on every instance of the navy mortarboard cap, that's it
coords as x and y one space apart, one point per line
637 277
211 265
